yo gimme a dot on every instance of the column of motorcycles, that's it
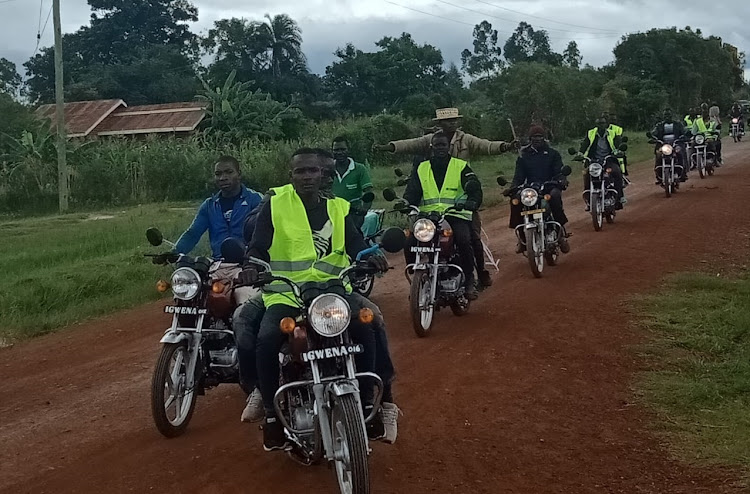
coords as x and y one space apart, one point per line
318 401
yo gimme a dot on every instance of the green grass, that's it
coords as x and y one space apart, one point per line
700 385
64 269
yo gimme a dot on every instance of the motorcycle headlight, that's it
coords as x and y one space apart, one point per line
529 197
595 170
699 139
734 121
424 230
186 283
666 150
329 315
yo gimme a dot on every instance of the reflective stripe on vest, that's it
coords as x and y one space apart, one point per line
292 252
610 138
452 190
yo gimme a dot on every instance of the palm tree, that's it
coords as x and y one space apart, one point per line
283 40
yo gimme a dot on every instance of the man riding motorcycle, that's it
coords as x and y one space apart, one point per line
315 238
711 128
351 180
462 146
602 142
619 131
669 130
738 113
438 184
539 163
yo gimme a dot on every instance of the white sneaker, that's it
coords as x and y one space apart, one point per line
253 411
390 420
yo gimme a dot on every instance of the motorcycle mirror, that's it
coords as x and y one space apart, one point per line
623 147
233 250
154 236
501 181
401 182
389 195
368 197
393 240
398 172
566 170
625 139
648 134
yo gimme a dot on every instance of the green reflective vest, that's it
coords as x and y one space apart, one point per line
688 121
611 133
700 127
292 252
440 200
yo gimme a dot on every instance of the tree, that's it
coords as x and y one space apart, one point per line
10 80
528 45
284 42
572 56
236 44
486 58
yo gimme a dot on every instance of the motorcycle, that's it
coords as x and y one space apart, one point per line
542 235
736 132
701 158
668 167
319 402
602 194
436 278
198 351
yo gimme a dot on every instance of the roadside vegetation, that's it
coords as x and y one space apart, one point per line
699 388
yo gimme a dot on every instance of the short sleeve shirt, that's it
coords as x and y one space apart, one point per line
351 184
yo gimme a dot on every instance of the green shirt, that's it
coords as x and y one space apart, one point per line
352 183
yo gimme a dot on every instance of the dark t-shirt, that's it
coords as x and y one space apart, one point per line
227 205
322 231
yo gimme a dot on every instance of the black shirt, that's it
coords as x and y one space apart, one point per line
537 166
227 205
413 193
320 224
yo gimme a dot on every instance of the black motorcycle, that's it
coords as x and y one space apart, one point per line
601 196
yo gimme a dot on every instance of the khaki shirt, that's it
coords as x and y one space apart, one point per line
462 146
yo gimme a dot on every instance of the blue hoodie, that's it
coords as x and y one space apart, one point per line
211 218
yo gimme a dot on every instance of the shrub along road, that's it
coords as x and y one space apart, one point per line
529 393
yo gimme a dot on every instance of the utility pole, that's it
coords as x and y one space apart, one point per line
63 186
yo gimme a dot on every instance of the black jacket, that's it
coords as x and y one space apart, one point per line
538 166
678 130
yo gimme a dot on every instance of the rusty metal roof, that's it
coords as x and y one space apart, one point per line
150 119
81 117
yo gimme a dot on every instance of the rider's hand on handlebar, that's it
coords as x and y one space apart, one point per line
471 205
378 262
507 192
248 276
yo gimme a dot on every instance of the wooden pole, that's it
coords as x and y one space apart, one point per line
62 166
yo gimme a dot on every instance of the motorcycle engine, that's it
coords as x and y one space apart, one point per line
222 350
449 279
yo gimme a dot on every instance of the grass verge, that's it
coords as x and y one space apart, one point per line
700 385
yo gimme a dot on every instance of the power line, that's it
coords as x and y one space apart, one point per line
41 31
543 18
594 35
427 13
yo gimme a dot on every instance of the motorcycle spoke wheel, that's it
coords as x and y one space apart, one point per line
172 403
422 307
596 212
349 446
534 252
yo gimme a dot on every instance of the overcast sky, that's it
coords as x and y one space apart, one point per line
595 24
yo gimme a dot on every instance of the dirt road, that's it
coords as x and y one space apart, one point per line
529 393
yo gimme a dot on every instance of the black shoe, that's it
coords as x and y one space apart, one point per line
683 179
485 279
274 438
520 248
587 208
618 206
375 427
658 182
564 245
471 292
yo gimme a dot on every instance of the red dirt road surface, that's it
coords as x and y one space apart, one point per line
529 393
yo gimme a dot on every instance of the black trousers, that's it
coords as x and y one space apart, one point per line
462 232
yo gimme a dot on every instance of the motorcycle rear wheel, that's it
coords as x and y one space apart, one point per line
165 392
349 446
534 253
421 308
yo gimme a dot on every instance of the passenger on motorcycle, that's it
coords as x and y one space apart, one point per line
619 131
351 180
539 163
668 131
291 213
738 113
711 128
436 185
599 143
462 146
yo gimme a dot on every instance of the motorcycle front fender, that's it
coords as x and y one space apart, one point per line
341 388
174 337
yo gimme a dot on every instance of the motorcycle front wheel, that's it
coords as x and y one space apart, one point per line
172 404
534 252
349 446
421 305
701 166
596 212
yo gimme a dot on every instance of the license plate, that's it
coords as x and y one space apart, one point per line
533 211
423 249
329 353
188 311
